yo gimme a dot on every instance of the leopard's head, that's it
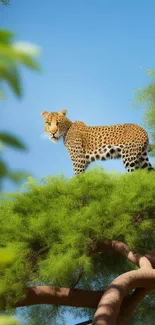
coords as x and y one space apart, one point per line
56 124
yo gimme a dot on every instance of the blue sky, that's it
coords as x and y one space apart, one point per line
93 58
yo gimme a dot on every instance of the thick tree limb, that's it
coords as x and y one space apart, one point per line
151 257
110 303
121 248
60 296
129 305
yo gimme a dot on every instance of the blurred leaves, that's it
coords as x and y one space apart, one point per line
17 176
8 320
146 97
5 2
14 176
12 55
6 256
6 36
9 139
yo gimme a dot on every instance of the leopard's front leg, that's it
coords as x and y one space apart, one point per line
77 155
79 165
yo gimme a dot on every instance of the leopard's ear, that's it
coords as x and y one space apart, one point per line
63 112
44 114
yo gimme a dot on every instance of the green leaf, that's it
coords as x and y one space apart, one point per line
26 48
6 36
12 141
2 96
29 62
22 54
11 56
12 78
151 73
8 320
5 2
6 256
3 169
16 176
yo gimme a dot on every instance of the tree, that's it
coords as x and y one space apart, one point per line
146 97
74 238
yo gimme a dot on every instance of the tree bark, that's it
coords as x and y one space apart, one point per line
39 295
109 308
129 305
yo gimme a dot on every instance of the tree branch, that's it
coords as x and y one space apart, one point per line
122 249
151 257
114 307
109 306
60 296
129 305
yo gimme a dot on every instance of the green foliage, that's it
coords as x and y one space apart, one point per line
43 315
146 97
63 219
6 257
14 176
5 2
12 55
8 320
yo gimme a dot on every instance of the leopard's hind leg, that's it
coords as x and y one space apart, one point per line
136 157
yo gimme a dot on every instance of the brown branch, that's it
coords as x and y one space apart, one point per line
129 305
109 306
60 296
117 247
151 257
121 248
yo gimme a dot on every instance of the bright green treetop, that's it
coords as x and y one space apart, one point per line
57 227
146 97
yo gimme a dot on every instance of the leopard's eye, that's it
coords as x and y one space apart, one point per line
49 123
57 123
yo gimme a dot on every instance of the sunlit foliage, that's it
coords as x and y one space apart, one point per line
55 226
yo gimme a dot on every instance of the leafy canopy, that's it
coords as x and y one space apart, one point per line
54 227
146 97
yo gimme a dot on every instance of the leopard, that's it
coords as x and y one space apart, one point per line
86 144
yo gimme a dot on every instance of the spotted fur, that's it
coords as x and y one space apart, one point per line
89 143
